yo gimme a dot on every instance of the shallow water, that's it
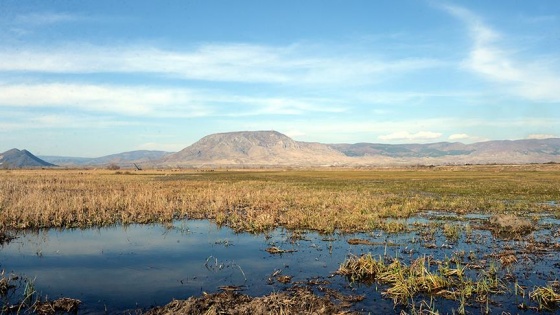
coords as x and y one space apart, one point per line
138 266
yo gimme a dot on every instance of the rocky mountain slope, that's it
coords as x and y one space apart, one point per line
271 148
15 158
254 148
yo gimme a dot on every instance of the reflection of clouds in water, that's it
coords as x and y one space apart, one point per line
122 267
118 239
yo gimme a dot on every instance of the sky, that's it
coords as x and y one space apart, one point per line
92 78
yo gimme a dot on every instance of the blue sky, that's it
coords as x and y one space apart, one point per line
91 78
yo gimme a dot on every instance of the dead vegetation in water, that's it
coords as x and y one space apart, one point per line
275 250
297 300
510 226
547 297
64 305
5 237
18 296
257 201
404 283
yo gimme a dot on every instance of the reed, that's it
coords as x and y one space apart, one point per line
257 201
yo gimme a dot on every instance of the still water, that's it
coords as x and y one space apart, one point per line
120 269
138 266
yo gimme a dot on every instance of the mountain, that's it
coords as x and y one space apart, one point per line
500 152
403 150
253 148
121 159
271 148
15 158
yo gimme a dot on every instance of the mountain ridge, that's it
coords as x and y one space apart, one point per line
120 159
269 148
15 158
252 148
272 148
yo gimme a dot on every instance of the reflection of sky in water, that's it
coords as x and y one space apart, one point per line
144 265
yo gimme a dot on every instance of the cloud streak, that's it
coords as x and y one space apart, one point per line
228 62
407 136
523 78
152 102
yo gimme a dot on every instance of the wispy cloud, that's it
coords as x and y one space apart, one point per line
463 137
227 62
155 102
62 121
459 136
46 18
523 78
407 136
131 101
541 136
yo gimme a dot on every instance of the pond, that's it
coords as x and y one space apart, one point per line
120 269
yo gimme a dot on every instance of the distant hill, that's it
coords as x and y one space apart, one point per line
272 148
500 151
121 159
15 158
253 148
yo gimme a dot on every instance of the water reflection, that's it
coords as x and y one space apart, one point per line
142 265
138 266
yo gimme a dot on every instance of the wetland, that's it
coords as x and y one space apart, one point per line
465 240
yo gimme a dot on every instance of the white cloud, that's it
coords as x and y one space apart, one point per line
459 136
132 101
524 78
405 135
46 18
154 102
227 62
541 136
463 137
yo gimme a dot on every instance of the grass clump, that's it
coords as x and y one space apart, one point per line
364 268
405 282
547 297
510 225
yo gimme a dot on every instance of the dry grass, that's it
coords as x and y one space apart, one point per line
256 201
510 225
406 282
295 301
547 297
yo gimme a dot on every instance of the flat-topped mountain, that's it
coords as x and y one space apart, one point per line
273 148
253 148
15 158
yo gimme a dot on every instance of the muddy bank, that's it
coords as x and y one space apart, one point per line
297 300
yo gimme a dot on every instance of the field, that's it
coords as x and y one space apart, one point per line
327 201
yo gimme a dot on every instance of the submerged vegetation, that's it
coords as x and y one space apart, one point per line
257 201
424 276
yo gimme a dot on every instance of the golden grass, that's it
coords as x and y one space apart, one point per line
256 201
406 282
547 297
